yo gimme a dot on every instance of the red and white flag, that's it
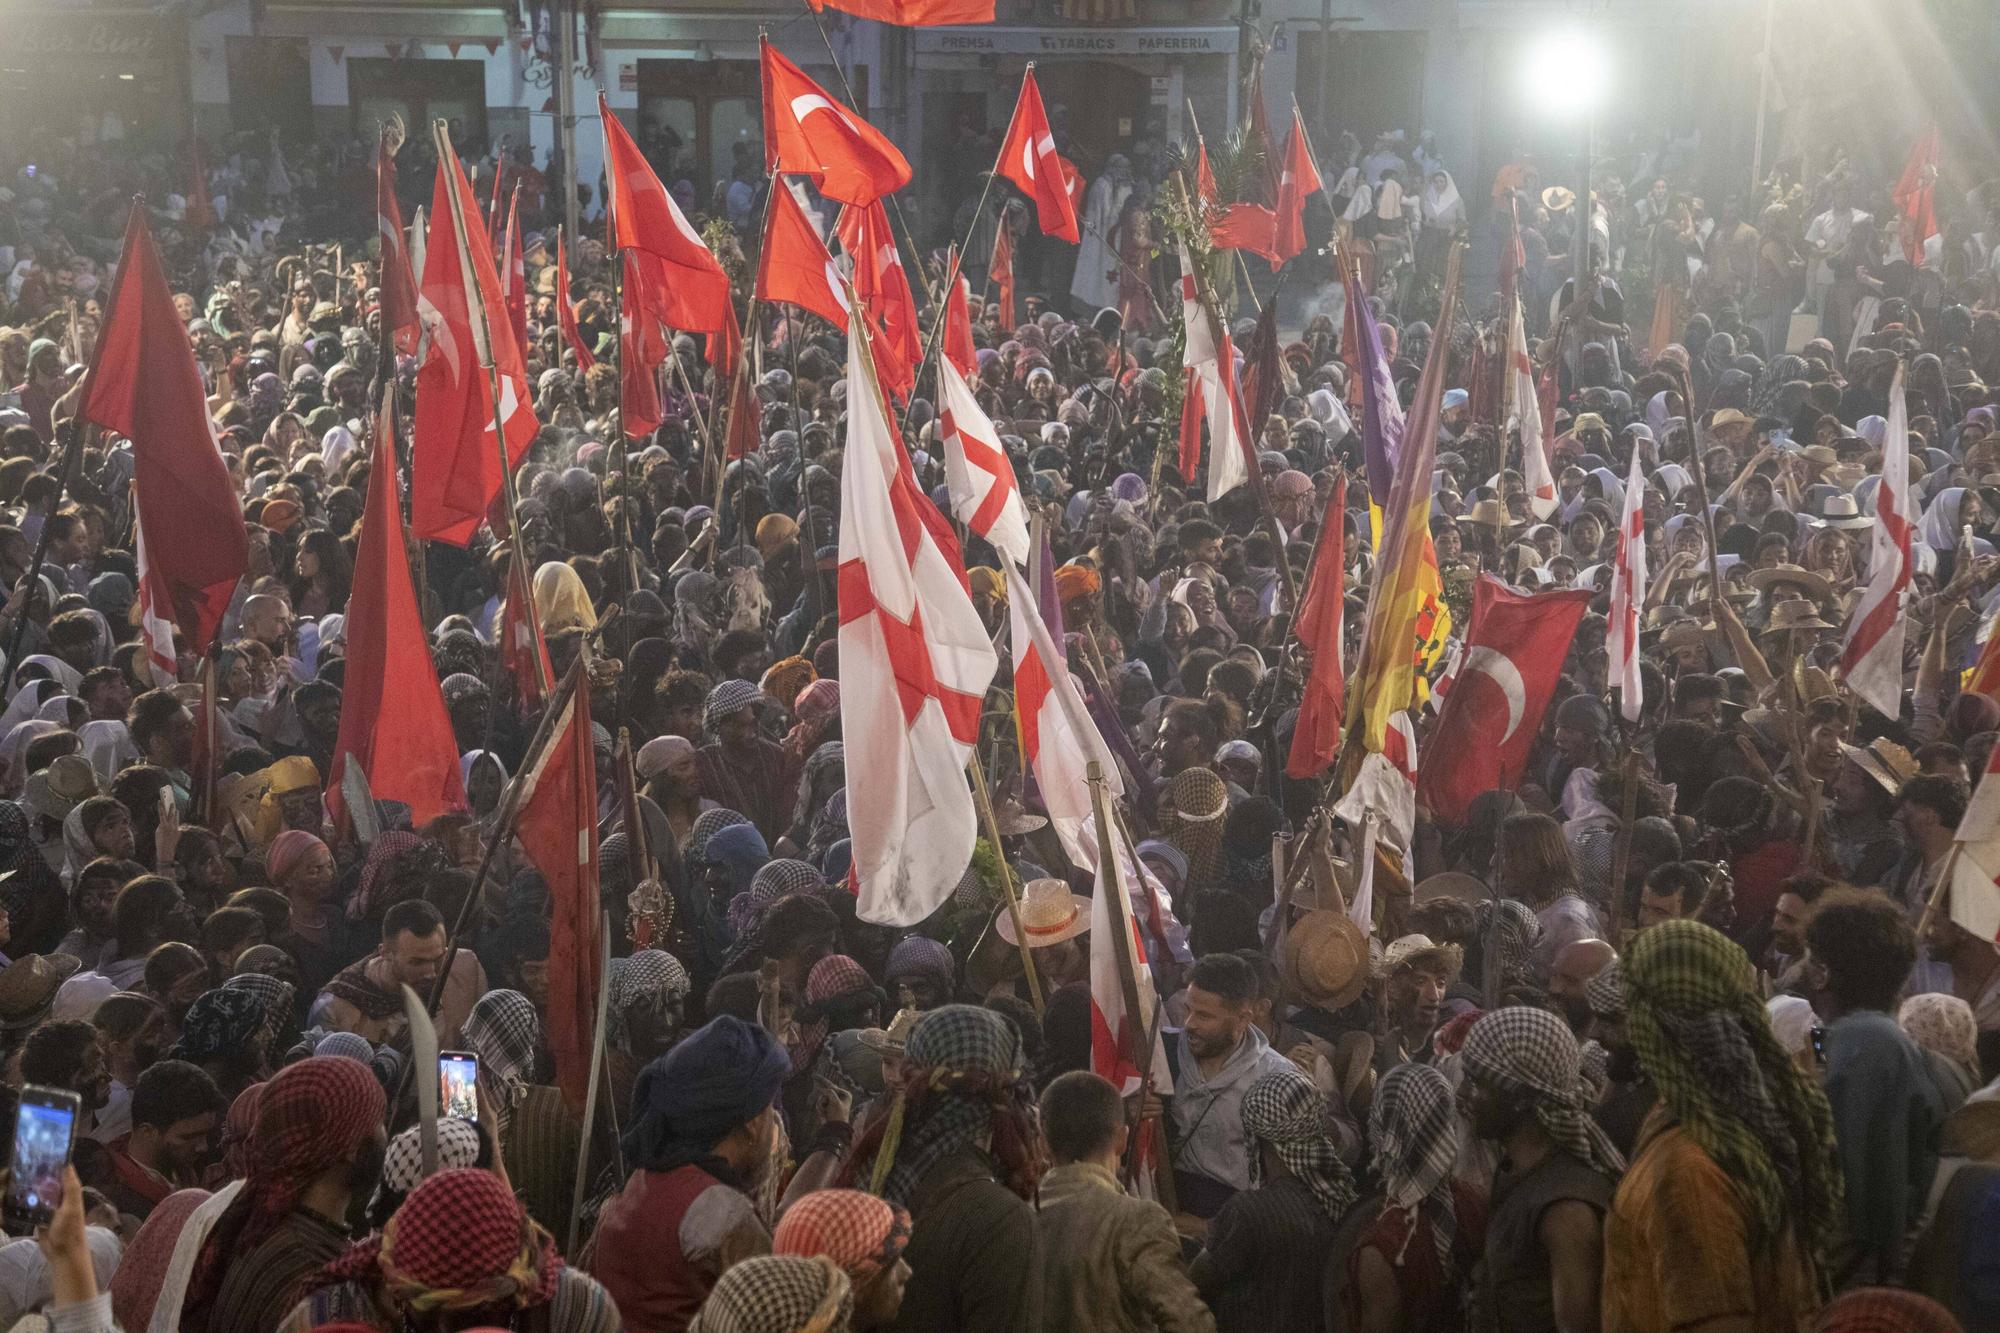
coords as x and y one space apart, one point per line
1028 158
1115 1030
1298 181
156 627
1059 742
1525 401
1628 596
1871 653
566 312
1975 862
398 280
915 662
1210 396
807 133
1514 652
883 288
524 654
794 266
455 454
984 494
558 830
683 284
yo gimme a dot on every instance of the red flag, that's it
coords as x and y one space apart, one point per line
1298 181
1251 227
399 285
1916 196
392 717
642 350
523 653
143 384
1322 625
794 266
455 461
807 133
746 415
958 345
1000 271
558 830
884 289
566 313
1514 651
684 287
1073 182
912 13
1028 158
1204 177
514 276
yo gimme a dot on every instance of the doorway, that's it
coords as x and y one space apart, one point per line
1103 104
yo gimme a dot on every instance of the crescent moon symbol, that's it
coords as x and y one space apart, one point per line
1500 669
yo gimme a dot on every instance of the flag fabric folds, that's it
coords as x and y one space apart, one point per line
1246 226
558 830
1028 158
642 350
807 133
915 662
794 266
524 655
1915 196
883 288
514 275
1209 396
1204 175
1118 949
1514 652
392 717
1524 398
1298 181
566 311
1628 596
1059 741
398 281
1322 626
1975 859
985 496
1000 272
1403 604
143 383
156 630
959 348
455 456
1871 651
683 285
912 13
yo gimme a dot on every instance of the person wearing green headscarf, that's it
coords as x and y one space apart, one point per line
1730 1206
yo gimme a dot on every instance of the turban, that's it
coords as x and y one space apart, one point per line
657 755
773 531
1074 582
1532 1052
289 851
861 1233
1282 1108
778 1294
786 677
461 1241
689 1099
282 515
920 954
988 582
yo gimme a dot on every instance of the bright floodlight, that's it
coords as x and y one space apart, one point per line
1567 72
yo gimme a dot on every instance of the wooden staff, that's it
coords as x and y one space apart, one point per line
984 801
1621 861
597 1072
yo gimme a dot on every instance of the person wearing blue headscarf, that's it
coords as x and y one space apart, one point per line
704 1130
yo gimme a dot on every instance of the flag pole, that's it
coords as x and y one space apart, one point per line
441 134
984 801
1257 485
1120 907
1936 899
597 1074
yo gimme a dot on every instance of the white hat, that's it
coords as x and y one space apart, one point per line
1050 914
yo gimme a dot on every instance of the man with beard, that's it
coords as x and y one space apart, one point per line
1628 1095
317 1142
1557 1171
700 1146
1416 974
1574 966
1220 1054
175 1111
367 997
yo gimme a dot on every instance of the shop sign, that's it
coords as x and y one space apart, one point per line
128 37
1083 42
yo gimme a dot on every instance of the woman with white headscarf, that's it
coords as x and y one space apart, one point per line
1945 517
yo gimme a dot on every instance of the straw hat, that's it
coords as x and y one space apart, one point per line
1452 884
1797 576
1557 198
1888 763
1794 613
1325 961
893 1038
28 987
1841 511
1730 416
1050 914
1489 514
1013 819
1411 950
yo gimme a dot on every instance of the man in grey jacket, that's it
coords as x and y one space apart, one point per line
1221 1053
1113 1261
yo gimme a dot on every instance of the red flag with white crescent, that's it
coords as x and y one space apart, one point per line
808 133
1029 159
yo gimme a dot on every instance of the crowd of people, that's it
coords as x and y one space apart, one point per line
1679 1031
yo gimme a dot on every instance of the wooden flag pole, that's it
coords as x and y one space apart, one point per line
984 801
597 1073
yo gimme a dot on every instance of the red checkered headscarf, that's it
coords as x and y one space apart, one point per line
459 1242
861 1233
1885 1310
311 1117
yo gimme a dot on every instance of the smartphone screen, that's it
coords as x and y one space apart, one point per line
458 1084
44 1129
